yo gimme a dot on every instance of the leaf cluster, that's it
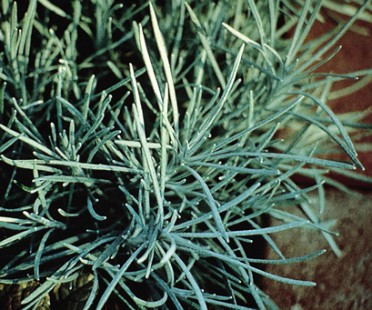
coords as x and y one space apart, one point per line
146 144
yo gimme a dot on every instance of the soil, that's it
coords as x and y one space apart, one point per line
342 282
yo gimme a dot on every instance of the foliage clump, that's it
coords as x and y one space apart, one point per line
144 146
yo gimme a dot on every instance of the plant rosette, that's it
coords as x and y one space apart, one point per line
140 149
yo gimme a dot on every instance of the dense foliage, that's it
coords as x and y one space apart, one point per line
144 147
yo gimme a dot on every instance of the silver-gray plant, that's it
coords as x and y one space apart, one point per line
143 146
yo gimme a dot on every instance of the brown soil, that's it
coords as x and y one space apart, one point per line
342 283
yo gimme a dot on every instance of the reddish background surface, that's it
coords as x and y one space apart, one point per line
346 282
356 54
